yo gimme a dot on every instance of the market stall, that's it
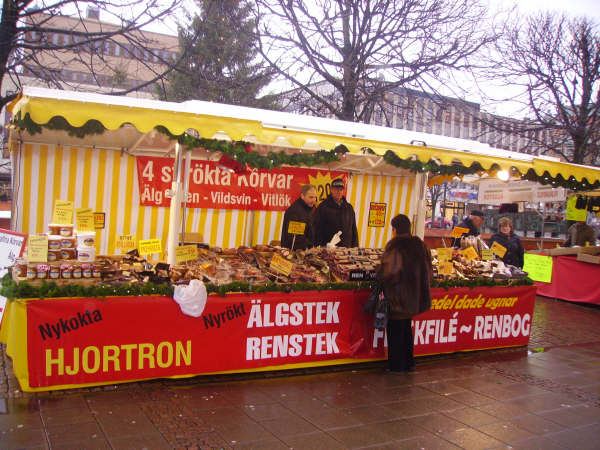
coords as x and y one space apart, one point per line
112 157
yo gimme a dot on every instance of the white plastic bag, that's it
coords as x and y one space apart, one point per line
191 298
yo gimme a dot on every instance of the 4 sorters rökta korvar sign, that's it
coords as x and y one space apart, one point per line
214 186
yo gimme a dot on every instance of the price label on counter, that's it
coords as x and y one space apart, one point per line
125 242
63 212
85 219
458 231
186 253
281 265
487 254
37 248
444 254
498 249
150 246
296 227
538 267
470 253
445 268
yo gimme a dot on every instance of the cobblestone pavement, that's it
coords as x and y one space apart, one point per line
545 396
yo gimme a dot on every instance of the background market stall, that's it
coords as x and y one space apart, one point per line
83 148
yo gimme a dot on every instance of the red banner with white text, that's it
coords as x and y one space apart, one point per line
89 340
212 185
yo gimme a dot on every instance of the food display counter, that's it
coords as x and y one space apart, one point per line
59 343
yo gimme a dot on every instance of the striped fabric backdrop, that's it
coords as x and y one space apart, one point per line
106 181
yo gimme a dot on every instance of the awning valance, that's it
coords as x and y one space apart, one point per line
279 128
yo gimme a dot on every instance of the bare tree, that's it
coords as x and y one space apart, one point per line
553 63
35 44
344 57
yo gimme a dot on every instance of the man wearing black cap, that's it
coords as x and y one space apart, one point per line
336 214
473 222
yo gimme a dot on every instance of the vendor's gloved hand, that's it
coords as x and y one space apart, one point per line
335 239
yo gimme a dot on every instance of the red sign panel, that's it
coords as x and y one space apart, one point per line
88 340
215 186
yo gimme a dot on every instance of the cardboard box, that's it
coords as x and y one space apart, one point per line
558 251
594 259
594 250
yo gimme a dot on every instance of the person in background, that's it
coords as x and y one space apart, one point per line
580 233
405 274
302 210
473 223
510 241
336 214
454 219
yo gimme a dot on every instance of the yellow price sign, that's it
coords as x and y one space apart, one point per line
458 231
281 265
498 249
186 253
470 253
150 246
296 227
37 248
487 254
538 267
445 268
125 242
99 220
85 219
377 214
444 254
63 212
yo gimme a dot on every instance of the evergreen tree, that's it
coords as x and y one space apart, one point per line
219 58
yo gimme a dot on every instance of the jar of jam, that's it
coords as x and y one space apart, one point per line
67 242
31 271
20 269
76 272
66 271
53 255
96 271
54 229
54 272
66 230
68 253
86 271
42 271
54 242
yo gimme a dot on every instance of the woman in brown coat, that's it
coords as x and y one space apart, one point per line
405 274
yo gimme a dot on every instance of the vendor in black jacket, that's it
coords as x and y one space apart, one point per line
336 214
510 241
473 223
302 210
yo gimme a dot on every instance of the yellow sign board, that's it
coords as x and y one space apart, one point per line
186 253
85 219
498 249
538 267
37 248
125 242
458 231
99 220
63 212
296 227
470 253
574 213
377 214
487 254
281 265
444 254
445 268
150 246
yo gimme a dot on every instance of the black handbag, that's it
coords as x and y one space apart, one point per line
382 310
371 302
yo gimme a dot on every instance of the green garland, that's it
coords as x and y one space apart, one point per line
11 290
559 181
